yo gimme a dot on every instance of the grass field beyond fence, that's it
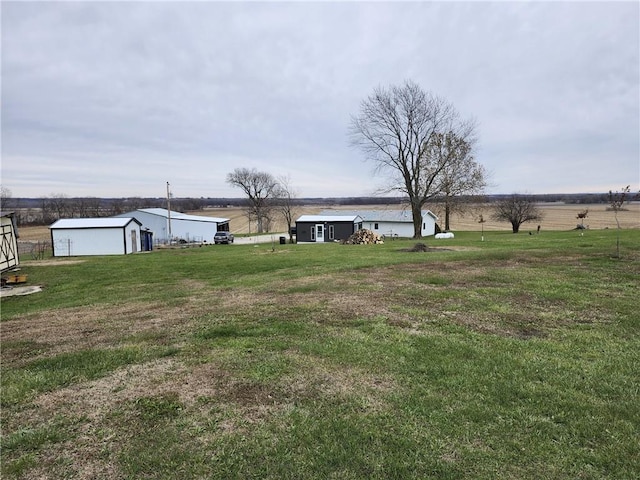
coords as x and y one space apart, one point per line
514 358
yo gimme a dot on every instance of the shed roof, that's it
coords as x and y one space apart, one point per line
381 215
163 212
329 218
102 222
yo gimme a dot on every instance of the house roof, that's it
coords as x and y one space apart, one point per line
102 222
329 218
163 212
381 215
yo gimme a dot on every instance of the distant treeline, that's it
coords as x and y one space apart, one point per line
44 211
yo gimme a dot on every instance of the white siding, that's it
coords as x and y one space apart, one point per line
193 231
391 222
189 227
72 242
154 223
401 229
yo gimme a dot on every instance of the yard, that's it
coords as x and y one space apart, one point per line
516 357
557 217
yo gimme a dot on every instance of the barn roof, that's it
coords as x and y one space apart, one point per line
102 222
381 215
328 218
163 212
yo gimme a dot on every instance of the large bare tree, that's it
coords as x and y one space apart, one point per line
260 188
516 209
396 128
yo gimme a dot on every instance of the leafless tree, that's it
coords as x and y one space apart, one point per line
462 178
260 188
136 203
617 201
5 198
117 206
94 207
396 129
84 207
285 196
516 209
56 206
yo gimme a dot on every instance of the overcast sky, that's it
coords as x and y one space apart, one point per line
115 99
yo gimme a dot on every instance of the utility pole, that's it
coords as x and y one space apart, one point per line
169 211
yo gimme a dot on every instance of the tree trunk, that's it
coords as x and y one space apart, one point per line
447 213
416 212
515 227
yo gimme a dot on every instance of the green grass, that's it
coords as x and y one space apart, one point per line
516 357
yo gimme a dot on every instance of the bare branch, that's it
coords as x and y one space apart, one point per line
395 130
260 188
517 209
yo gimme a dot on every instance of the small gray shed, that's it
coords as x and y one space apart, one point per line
326 228
72 237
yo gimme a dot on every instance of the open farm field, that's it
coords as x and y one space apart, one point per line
557 216
512 358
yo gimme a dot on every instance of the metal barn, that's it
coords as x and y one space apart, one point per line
71 237
168 225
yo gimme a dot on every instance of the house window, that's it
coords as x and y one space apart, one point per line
375 226
424 226
331 232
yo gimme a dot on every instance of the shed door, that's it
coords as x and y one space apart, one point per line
319 232
8 248
134 241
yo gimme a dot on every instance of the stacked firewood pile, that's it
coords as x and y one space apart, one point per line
363 237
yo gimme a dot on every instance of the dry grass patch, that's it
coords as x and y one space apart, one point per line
52 262
240 403
319 378
96 326
411 296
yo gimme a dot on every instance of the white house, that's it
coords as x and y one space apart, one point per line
72 237
166 225
391 223
8 242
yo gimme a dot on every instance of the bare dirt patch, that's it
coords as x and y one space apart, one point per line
18 291
52 262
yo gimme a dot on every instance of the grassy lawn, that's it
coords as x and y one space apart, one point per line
517 357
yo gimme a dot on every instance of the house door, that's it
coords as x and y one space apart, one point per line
319 232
